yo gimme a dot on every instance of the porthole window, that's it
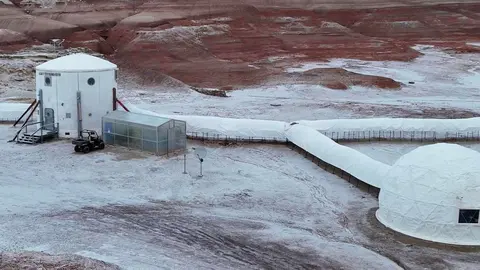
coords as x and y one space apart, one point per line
48 81
91 81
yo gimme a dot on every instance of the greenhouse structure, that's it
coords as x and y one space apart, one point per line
153 134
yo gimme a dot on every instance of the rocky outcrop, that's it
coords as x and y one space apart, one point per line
88 39
239 49
252 45
303 4
10 37
39 28
40 260
89 20
152 19
11 41
210 92
407 22
236 45
340 79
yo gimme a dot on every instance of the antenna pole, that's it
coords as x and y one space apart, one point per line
201 169
184 163
40 99
79 113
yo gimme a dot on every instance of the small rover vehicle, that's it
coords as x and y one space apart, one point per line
88 141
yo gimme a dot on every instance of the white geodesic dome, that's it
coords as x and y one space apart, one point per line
433 193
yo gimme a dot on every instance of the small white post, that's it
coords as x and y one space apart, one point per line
184 163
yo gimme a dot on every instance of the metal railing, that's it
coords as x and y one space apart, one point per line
55 130
205 136
25 127
397 135
351 136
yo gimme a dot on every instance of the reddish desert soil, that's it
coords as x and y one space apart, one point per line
237 44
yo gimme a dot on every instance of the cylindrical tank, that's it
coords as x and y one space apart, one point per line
60 80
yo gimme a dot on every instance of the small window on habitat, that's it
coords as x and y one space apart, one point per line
48 81
67 133
68 115
468 216
91 81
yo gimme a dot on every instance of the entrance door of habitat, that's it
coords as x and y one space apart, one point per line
49 119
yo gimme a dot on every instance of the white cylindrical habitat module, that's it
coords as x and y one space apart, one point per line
62 79
433 193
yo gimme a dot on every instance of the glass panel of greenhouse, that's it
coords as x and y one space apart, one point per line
144 132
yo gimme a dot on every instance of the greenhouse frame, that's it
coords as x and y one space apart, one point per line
149 133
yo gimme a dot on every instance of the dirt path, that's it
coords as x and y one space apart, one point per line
176 226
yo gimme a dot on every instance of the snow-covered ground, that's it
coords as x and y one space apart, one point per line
293 102
256 206
306 135
445 86
142 212
12 111
433 73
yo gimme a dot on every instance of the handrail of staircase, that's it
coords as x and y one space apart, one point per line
25 112
41 130
23 127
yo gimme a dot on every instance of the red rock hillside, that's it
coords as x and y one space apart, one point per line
233 44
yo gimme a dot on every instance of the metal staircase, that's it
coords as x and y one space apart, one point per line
36 138
40 135
42 132
28 139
